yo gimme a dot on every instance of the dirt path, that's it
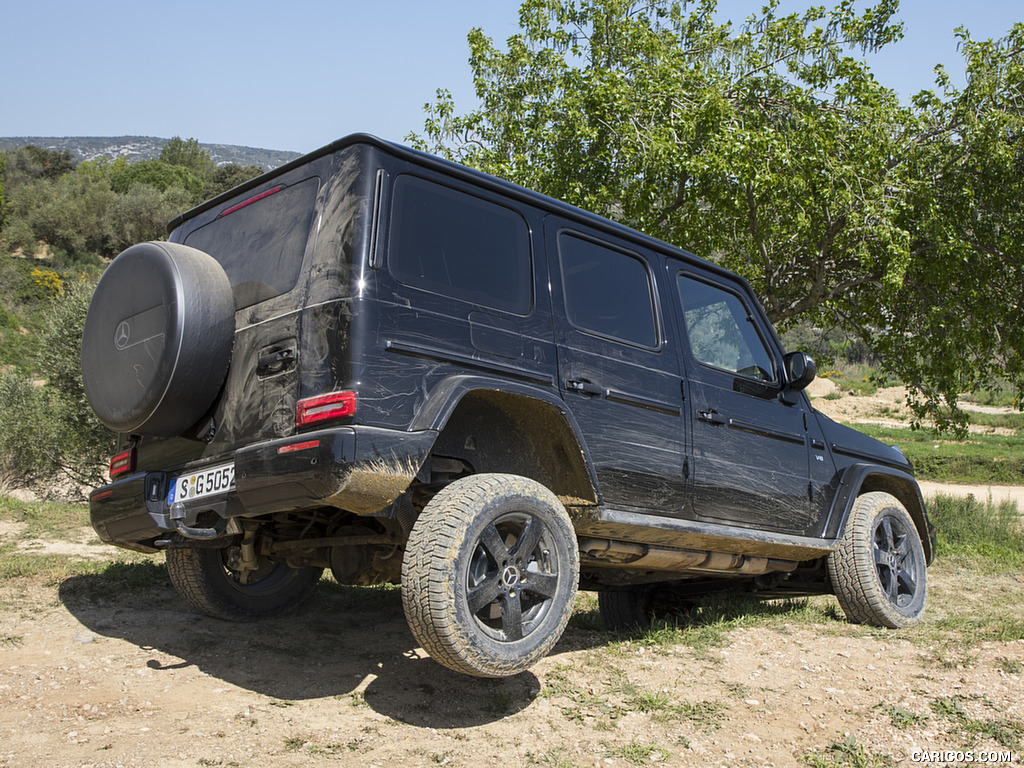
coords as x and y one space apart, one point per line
997 493
101 674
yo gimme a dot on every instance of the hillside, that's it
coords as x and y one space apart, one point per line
146 148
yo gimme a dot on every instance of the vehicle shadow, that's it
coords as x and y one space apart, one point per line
345 642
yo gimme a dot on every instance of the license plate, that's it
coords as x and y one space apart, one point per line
206 482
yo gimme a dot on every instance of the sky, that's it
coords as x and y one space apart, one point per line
297 75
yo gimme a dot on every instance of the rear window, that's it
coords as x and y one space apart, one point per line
260 240
452 243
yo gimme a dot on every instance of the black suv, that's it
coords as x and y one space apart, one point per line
378 362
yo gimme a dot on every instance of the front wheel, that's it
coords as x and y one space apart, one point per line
878 572
207 580
490 574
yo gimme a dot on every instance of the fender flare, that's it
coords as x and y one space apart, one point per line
863 477
446 396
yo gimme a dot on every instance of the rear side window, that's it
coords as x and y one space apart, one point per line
607 291
448 242
260 240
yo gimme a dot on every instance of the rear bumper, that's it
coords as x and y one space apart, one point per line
358 469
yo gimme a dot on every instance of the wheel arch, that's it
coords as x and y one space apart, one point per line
859 479
496 426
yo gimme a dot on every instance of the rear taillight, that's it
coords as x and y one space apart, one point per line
315 410
122 464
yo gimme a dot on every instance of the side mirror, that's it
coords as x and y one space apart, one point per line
800 370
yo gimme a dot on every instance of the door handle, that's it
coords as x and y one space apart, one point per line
584 387
275 361
711 416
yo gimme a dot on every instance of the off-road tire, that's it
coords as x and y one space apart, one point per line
490 574
878 572
157 339
202 578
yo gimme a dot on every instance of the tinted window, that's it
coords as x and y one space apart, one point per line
459 245
720 331
607 292
260 240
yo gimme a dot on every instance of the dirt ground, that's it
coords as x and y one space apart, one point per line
115 670
91 677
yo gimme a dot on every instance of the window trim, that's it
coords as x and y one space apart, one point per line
394 186
776 381
652 285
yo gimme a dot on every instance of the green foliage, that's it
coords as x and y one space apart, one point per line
29 432
718 140
142 213
157 174
976 458
847 754
86 442
69 213
3 198
47 430
771 149
30 162
187 154
227 177
953 325
978 531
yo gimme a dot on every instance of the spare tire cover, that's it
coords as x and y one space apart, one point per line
157 339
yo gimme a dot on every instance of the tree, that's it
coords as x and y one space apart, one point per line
227 177
188 154
158 174
49 431
142 213
3 199
30 162
954 323
768 148
69 213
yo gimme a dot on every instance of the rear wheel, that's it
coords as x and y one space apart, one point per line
490 574
878 572
207 580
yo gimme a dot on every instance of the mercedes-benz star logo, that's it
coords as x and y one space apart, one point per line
122 334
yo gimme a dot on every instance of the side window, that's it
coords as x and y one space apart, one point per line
720 331
607 292
455 244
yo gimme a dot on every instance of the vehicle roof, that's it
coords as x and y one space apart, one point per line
448 168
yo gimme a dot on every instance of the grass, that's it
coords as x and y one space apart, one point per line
903 718
1003 397
1002 730
979 532
996 420
44 519
638 753
858 380
975 459
847 754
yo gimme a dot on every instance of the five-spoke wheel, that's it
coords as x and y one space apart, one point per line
878 572
490 573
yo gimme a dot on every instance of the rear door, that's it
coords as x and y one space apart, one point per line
617 366
750 448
